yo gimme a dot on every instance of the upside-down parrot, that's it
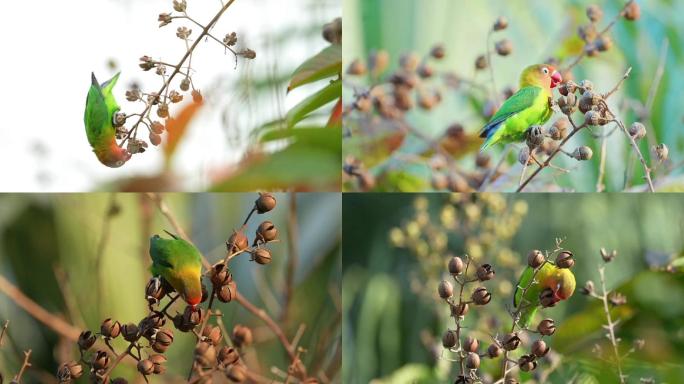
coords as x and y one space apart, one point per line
561 282
529 106
179 263
101 108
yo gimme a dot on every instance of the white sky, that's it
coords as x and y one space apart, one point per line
51 47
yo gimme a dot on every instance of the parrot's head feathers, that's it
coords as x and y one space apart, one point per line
113 156
540 75
566 284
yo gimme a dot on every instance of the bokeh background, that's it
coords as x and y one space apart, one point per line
43 125
396 248
49 246
538 30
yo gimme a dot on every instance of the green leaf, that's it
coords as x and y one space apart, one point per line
314 136
327 63
331 92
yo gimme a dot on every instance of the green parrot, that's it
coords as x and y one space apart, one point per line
101 108
179 263
561 281
529 106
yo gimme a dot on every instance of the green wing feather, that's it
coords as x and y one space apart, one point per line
531 297
170 255
100 108
520 101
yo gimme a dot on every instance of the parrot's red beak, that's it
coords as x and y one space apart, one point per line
556 79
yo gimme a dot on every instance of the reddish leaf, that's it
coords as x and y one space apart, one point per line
176 128
336 116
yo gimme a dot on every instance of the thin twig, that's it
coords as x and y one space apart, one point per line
635 146
24 366
611 325
495 170
4 330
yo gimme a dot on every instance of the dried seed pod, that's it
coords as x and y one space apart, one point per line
546 327
439 181
470 344
637 130
185 84
237 242
236 373
332 31
617 299
175 97
587 32
262 256
585 85
504 47
547 298
228 356
594 13
524 157
265 203
220 275
481 62
100 360
110 329
585 105
266 232
592 117
534 136
438 52
356 68
180 5
425 71
212 334
205 354
568 104
86 340
154 139
449 339
535 258
494 351
459 310
500 24
608 256
527 363
511 341
604 43
119 119
457 183
145 367
445 289
559 129
163 110
133 95
130 332
162 340
472 360
481 296
69 371
632 11
485 272
539 348
661 152
227 292
409 61
582 153
565 259
242 336
588 288
158 361
378 61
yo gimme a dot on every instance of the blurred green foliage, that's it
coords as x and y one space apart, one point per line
42 236
393 322
538 29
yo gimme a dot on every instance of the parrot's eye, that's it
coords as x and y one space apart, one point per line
545 70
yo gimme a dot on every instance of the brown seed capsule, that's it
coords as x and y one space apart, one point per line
69 371
494 351
661 152
266 232
472 360
378 61
100 360
185 84
158 361
458 310
212 334
265 203
547 298
527 363
438 52
155 139
483 160
511 341
632 11
356 68
457 183
617 299
220 275
110 329
262 256
565 259
608 256
603 43
534 136
162 340
568 104
242 336
205 354
445 289
485 272
481 62
145 367
524 157
559 130
481 296
130 332
227 292
500 24
236 373
86 340
504 47
535 258
449 339
470 344
425 71
409 61
585 85
587 32
582 153
237 242
439 181
594 13
539 348
591 50
228 356
163 110
588 288
546 327
637 131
